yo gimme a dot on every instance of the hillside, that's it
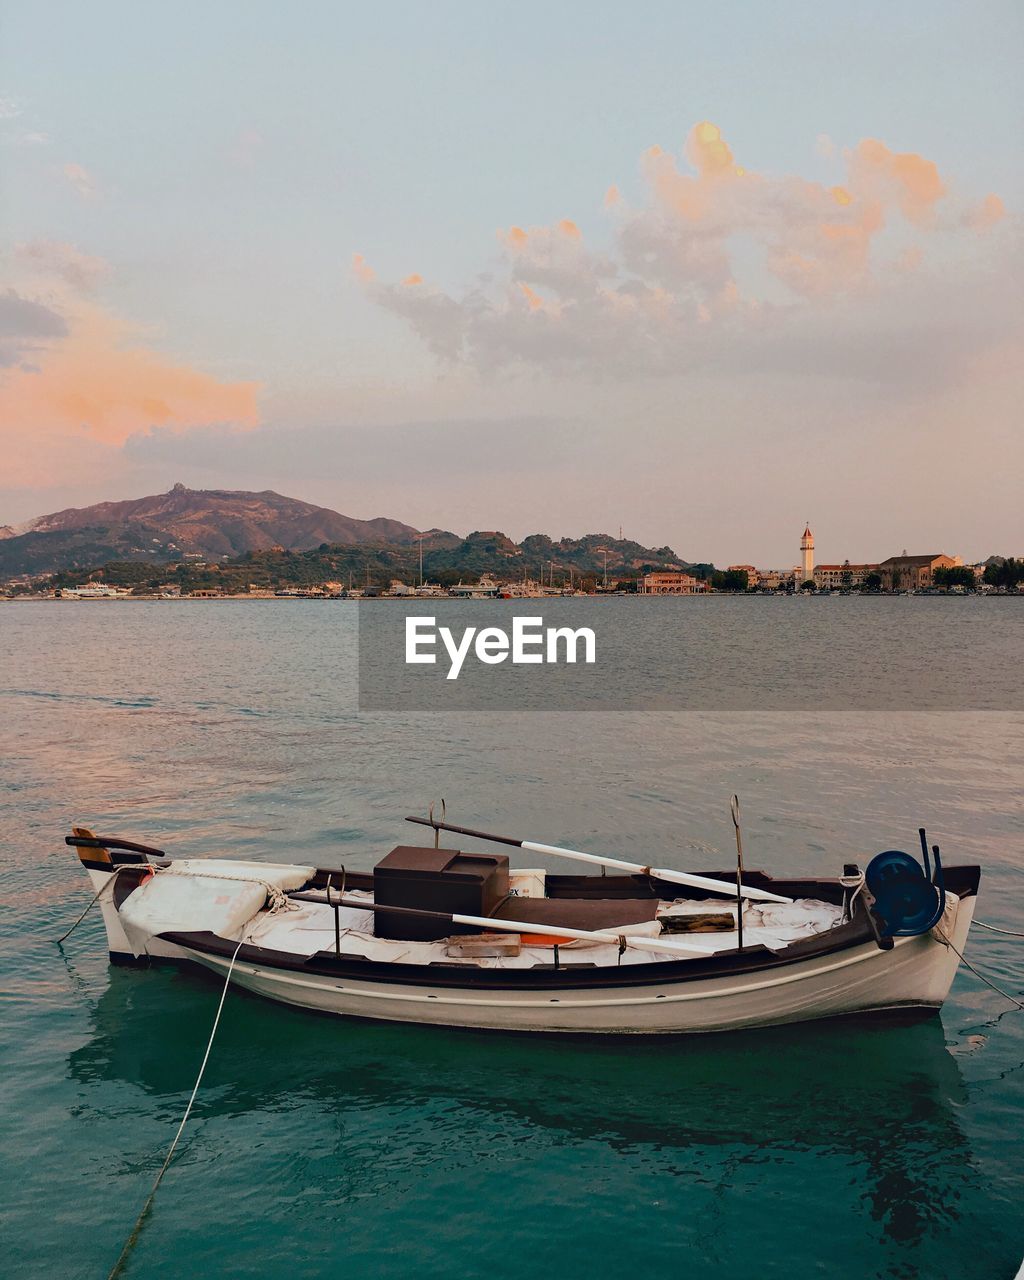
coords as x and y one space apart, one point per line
207 523
446 559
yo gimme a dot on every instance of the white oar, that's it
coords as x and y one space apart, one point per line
659 873
490 924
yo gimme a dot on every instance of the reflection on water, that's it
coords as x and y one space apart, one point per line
876 1096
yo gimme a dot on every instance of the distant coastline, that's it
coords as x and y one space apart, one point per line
241 545
411 597
319 575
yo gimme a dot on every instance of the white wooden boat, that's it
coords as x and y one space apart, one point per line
459 939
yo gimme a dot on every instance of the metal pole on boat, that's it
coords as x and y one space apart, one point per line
739 870
336 904
634 868
437 825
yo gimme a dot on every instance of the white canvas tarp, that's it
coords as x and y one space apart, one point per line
211 895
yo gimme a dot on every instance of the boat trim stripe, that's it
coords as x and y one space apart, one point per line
713 993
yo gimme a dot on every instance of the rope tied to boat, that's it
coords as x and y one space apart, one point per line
107 884
977 973
994 928
852 881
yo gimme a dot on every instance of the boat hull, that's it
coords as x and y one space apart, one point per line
916 973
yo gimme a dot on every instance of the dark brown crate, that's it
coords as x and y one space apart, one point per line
442 880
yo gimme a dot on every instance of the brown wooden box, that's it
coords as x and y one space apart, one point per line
444 880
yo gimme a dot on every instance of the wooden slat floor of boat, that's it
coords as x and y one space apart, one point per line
578 913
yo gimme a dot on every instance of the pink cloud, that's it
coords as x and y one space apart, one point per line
90 382
361 269
87 383
904 178
715 248
82 180
985 215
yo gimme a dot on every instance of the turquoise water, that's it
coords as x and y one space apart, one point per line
323 1147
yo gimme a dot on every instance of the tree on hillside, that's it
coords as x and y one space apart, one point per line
958 575
1008 573
729 580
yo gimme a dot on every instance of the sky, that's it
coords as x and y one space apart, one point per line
700 272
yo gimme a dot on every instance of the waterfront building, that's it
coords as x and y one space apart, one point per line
911 573
753 577
807 555
835 577
672 584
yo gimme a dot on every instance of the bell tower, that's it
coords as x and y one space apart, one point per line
807 554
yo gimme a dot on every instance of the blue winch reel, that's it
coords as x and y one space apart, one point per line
908 898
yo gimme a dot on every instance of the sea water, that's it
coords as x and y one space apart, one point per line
321 1147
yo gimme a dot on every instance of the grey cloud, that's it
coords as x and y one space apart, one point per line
23 324
82 271
362 454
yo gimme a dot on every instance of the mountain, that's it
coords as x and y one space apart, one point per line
198 523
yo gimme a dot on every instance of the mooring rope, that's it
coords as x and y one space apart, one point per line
130 1243
95 898
977 973
1010 933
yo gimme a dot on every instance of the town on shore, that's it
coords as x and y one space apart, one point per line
193 578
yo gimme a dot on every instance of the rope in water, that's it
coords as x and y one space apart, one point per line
92 902
988 982
130 1243
1010 933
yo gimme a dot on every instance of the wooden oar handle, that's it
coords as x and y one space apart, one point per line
464 831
